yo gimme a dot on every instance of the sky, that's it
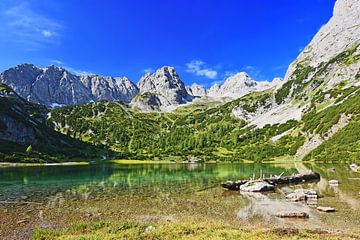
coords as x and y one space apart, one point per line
205 40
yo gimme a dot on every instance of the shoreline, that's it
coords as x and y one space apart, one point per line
10 164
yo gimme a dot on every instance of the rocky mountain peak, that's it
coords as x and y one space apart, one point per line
165 85
163 79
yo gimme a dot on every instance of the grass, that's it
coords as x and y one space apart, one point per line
188 230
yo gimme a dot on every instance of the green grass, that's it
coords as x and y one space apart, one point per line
188 230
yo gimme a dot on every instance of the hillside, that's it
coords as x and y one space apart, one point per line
24 136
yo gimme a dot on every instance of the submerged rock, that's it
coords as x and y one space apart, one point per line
257 186
292 215
334 182
325 209
302 195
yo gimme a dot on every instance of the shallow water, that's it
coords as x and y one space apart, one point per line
59 195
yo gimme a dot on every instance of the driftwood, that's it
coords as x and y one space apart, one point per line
295 179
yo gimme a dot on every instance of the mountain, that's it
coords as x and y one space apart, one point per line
161 90
55 86
312 114
26 137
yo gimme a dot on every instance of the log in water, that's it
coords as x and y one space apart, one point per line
295 179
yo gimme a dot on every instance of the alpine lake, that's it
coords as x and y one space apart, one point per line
55 197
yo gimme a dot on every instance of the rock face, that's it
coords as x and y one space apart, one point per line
164 87
340 33
109 88
55 86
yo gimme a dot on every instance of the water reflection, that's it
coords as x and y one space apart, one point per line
45 181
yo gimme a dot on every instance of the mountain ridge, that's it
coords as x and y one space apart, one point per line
55 86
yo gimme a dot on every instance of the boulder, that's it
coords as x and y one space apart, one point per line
257 186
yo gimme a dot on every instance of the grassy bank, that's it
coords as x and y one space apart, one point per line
188 230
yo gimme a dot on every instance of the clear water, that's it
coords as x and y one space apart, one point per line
154 192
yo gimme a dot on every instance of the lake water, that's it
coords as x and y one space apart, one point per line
54 196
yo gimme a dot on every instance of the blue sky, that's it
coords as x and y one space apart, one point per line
205 40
